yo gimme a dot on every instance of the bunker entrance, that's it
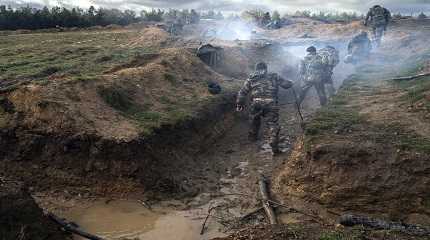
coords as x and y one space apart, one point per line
210 55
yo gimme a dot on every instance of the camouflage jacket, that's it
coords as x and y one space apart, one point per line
378 16
312 68
262 88
330 58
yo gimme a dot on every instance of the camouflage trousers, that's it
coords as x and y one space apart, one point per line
319 87
269 112
378 32
328 84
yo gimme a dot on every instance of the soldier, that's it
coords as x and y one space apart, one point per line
263 88
312 74
378 17
358 48
330 58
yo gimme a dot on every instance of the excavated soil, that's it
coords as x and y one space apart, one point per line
365 153
101 137
20 216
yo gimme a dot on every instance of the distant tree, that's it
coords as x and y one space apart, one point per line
276 16
219 16
194 17
255 15
32 18
211 14
153 15
422 16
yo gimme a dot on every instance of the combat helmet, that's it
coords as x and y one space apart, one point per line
261 68
311 49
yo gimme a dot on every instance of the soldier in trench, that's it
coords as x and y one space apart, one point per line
378 18
263 88
312 75
330 58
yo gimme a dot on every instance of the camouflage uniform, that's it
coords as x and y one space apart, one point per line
312 75
358 48
330 58
379 18
263 88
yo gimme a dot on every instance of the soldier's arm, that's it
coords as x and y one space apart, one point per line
387 15
243 93
368 16
302 69
286 84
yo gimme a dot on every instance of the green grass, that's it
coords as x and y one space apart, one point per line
67 54
337 115
416 89
332 236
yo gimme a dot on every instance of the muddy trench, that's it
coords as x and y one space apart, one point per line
182 172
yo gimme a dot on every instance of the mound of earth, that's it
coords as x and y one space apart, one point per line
125 123
315 29
21 218
313 232
150 37
367 152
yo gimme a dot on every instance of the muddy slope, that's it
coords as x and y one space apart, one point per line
21 218
135 122
364 152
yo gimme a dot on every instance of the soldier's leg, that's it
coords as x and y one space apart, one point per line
272 121
321 93
304 92
330 89
256 114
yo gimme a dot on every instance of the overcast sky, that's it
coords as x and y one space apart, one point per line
404 6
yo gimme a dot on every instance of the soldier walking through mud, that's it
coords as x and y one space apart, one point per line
263 88
378 18
330 58
312 75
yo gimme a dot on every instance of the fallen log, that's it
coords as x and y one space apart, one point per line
72 228
409 78
377 224
264 192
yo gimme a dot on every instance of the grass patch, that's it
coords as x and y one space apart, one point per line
170 78
332 118
414 142
332 236
336 116
72 54
117 98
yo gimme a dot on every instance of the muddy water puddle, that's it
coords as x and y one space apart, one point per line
127 219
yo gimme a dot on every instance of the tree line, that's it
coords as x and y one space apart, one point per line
33 18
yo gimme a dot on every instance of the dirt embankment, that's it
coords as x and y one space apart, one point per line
368 151
139 121
21 218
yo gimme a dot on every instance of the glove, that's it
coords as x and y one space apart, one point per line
239 107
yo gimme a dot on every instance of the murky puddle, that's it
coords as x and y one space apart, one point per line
129 219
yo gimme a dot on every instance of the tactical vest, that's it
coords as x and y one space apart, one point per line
314 68
264 87
330 57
